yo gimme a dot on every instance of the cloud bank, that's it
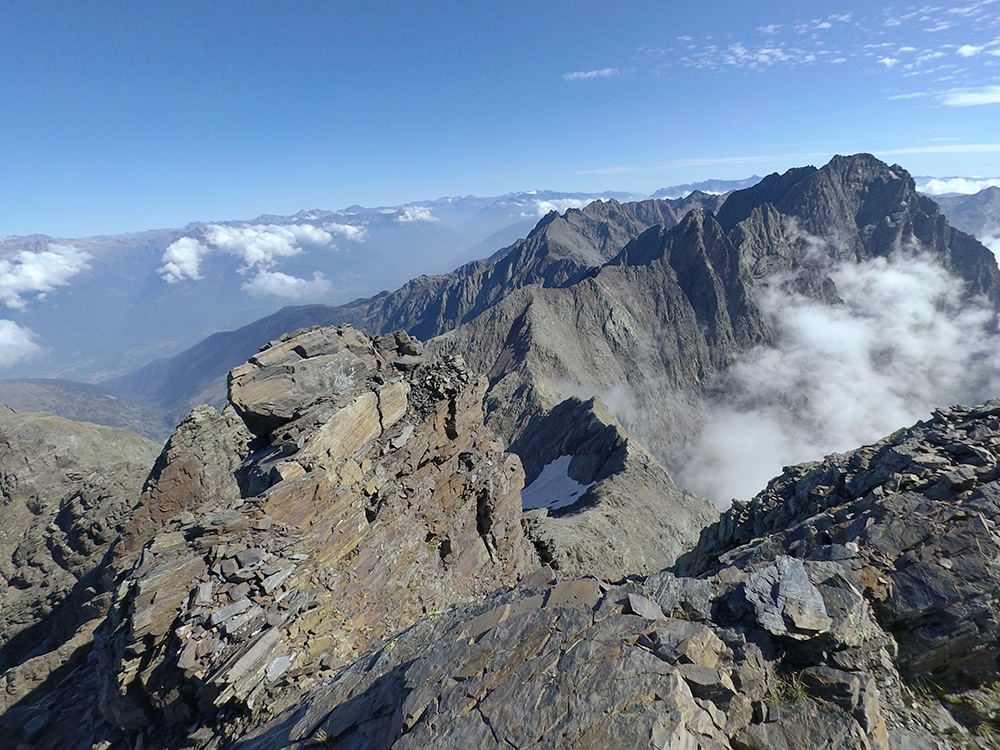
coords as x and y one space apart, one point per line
27 272
259 246
17 343
903 343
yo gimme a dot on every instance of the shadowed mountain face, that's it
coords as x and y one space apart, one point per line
648 330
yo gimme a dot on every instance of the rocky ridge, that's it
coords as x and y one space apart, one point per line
852 604
369 495
560 249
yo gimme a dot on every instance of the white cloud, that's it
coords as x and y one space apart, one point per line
280 284
347 231
973 97
969 50
259 246
589 75
16 343
903 343
182 260
411 214
964 185
28 272
888 61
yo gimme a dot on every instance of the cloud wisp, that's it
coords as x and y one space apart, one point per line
972 97
17 343
592 75
904 341
37 273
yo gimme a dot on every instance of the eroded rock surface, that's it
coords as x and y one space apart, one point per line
853 604
366 494
66 490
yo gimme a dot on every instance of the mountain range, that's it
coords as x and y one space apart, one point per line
492 507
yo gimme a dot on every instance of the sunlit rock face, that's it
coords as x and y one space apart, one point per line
366 493
815 615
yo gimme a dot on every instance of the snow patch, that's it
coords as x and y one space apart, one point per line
554 487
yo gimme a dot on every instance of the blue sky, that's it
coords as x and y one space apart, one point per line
126 116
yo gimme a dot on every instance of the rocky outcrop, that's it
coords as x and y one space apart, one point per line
362 493
913 518
851 604
66 490
623 493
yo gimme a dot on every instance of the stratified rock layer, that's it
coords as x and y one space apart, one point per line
852 604
372 495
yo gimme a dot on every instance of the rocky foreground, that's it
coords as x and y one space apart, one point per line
854 603
340 559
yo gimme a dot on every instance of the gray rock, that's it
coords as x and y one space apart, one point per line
786 601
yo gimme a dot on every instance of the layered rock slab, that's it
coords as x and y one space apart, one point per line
369 494
851 604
